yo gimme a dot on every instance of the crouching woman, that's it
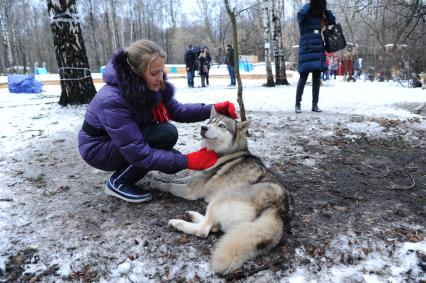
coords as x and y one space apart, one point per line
126 127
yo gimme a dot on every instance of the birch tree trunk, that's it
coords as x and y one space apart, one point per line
275 52
122 43
73 65
232 17
280 71
131 20
93 30
267 38
2 56
111 24
171 40
3 47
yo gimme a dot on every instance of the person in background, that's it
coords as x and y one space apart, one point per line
231 64
127 127
312 18
203 66
358 68
190 64
209 62
325 74
381 68
330 65
335 66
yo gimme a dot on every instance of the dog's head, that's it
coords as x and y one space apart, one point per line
223 134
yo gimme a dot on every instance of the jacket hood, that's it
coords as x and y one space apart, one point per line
132 87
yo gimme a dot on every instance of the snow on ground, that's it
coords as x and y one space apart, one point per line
382 265
31 123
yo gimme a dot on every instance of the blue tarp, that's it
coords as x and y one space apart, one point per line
102 69
41 71
23 84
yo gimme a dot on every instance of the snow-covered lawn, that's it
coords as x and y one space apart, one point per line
56 224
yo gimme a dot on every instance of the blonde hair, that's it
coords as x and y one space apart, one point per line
141 53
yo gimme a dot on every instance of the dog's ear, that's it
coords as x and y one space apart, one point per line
243 126
213 112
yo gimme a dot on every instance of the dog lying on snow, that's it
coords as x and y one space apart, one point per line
247 201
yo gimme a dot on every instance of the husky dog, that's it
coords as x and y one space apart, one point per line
246 200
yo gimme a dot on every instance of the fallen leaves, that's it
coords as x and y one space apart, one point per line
315 251
411 235
183 239
87 274
389 123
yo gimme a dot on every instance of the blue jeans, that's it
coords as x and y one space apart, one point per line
325 76
232 74
190 77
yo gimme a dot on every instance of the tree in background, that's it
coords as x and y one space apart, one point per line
278 47
267 37
5 34
93 26
73 65
25 23
232 17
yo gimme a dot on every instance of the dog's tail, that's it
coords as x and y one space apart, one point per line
246 240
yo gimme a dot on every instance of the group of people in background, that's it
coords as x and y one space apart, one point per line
312 58
353 71
198 59
332 63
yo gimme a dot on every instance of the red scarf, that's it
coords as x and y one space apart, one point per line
160 113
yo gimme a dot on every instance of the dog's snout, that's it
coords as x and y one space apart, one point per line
204 129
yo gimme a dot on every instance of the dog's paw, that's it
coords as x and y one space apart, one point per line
178 224
194 216
158 185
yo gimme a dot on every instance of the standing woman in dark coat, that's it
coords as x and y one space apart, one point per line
127 125
312 18
204 67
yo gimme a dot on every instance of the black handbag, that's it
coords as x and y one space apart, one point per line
334 39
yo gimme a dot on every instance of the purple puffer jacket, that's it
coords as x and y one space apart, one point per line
111 112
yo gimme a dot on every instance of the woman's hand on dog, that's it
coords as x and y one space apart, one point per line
202 159
226 108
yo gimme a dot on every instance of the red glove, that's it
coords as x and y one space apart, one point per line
202 159
226 108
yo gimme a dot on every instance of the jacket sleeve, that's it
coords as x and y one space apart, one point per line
303 13
126 135
188 112
331 19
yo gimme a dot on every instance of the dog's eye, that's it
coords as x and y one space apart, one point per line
221 126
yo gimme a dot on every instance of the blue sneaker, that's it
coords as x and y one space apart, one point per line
127 192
